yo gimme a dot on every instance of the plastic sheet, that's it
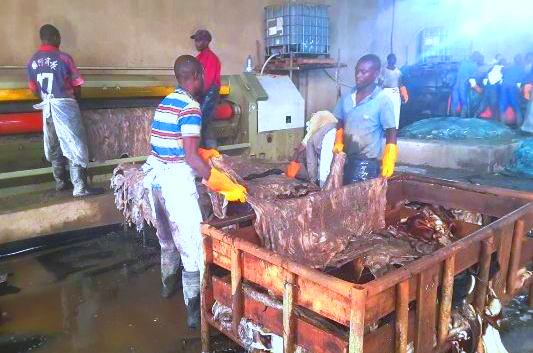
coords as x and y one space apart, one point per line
66 116
522 164
453 128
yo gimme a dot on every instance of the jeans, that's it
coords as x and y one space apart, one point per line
358 168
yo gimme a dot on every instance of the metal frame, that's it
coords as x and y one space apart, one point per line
428 282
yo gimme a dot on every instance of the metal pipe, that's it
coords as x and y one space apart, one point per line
266 62
118 68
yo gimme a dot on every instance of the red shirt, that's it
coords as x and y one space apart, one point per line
211 65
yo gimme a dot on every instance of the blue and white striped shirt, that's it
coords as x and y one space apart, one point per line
177 116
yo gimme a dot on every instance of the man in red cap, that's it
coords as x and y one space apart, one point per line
210 96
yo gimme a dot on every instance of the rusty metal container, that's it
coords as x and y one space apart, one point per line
417 296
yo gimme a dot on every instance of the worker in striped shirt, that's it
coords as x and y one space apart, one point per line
170 170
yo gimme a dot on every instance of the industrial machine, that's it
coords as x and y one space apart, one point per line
259 115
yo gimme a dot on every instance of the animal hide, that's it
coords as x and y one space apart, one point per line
114 133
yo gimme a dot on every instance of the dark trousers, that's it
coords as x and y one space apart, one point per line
358 168
491 98
207 106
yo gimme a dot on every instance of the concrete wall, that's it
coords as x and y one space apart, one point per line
151 33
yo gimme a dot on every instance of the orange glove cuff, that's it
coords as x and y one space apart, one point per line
207 154
404 94
292 169
528 87
339 141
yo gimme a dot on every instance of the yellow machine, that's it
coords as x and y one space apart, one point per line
259 115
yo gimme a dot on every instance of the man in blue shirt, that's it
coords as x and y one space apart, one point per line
466 74
367 118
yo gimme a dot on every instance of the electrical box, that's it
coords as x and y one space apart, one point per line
285 107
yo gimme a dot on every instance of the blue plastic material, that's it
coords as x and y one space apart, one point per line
453 128
522 164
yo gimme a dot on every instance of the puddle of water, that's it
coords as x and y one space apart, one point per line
99 295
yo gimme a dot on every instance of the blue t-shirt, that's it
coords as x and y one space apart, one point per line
365 123
53 72
177 116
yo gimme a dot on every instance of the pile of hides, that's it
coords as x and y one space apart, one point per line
114 133
132 199
420 234
457 129
295 220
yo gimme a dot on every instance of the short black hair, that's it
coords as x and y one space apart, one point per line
186 67
391 56
48 33
371 58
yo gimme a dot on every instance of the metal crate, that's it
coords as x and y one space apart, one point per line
297 28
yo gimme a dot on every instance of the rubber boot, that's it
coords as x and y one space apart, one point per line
78 176
60 175
169 286
191 296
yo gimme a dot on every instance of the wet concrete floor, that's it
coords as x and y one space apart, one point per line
97 295
102 295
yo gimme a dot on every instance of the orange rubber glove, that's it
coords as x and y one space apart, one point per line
339 141
207 154
389 160
292 169
528 87
221 183
404 94
477 89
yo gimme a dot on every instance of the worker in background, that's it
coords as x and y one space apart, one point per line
318 147
210 95
513 77
465 81
170 176
527 126
366 118
392 86
528 62
492 83
55 79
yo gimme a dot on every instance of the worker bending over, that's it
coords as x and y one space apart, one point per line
367 117
392 86
210 95
170 176
318 147
55 79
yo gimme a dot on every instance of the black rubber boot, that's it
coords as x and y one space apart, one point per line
169 287
191 296
193 312
78 176
60 175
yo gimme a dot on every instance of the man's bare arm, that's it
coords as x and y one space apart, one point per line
190 144
390 136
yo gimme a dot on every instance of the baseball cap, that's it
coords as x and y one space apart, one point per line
202 34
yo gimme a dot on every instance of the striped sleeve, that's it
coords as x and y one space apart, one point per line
190 120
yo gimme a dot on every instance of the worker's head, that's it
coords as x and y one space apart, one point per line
202 38
50 35
391 60
477 58
367 70
189 73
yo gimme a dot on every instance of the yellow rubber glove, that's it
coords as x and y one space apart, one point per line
221 183
528 87
292 169
389 160
207 154
339 141
404 94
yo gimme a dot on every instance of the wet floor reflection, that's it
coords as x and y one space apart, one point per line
99 295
